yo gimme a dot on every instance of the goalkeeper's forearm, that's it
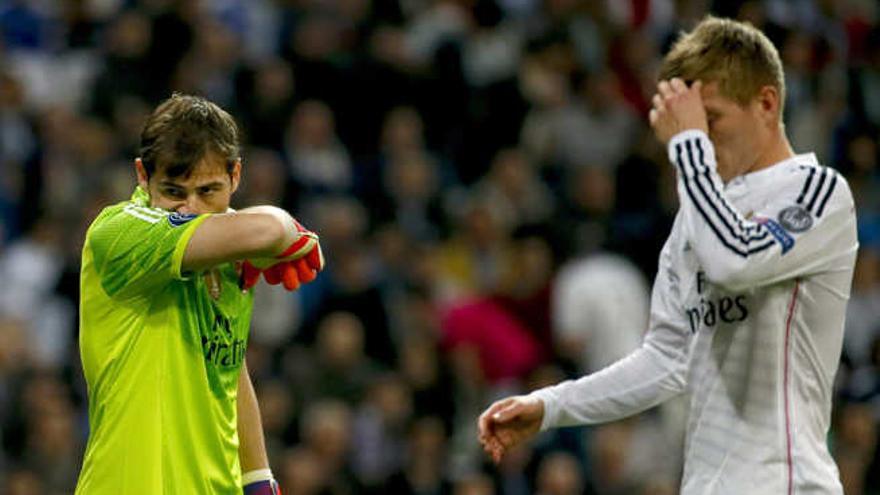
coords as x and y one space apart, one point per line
256 232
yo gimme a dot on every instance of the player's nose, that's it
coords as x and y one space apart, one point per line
188 207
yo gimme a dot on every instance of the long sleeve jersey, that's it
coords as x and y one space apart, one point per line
747 315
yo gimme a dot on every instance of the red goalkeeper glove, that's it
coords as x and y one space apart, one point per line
299 263
260 482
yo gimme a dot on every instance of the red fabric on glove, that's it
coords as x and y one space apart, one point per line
291 273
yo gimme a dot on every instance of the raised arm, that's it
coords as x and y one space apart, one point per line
256 232
808 227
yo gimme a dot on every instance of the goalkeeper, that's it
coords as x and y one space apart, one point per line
165 312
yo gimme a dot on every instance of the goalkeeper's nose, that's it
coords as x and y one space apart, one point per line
191 206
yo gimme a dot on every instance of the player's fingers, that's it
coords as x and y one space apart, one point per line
678 85
303 271
484 425
665 89
497 453
697 86
658 102
653 115
273 274
250 275
289 276
507 413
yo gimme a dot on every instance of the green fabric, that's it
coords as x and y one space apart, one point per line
161 359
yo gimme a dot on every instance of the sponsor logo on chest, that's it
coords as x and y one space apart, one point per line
710 307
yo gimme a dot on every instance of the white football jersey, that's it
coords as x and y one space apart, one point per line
747 316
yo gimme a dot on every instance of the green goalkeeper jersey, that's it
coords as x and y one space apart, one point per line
161 354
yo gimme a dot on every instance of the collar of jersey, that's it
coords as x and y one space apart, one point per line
764 174
140 197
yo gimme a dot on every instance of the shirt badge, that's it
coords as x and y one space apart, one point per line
178 219
795 219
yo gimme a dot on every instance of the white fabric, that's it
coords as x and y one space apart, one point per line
256 476
747 318
600 302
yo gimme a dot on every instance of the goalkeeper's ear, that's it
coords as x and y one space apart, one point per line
142 177
235 175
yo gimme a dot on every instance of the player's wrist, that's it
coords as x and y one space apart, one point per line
260 482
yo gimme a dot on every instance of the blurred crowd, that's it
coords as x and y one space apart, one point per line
491 203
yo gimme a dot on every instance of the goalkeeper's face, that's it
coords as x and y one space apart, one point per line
207 188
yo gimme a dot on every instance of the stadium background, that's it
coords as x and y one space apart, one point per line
490 199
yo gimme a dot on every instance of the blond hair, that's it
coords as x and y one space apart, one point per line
735 54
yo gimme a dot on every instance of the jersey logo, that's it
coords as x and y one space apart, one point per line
178 219
795 219
782 237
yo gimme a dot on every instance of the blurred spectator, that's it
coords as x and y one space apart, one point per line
339 368
855 445
478 484
379 430
325 429
600 310
267 96
18 154
23 482
317 161
424 470
473 260
127 70
302 473
556 135
515 191
560 474
863 313
34 265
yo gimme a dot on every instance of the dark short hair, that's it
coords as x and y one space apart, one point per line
182 130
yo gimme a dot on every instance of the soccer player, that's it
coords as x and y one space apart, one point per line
165 312
748 303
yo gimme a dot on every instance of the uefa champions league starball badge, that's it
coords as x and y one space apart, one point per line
795 219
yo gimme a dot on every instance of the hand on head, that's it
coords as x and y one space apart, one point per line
677 108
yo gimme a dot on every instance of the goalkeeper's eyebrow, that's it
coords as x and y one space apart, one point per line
210 185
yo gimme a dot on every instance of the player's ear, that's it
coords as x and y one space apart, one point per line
142 176
235 174
768 103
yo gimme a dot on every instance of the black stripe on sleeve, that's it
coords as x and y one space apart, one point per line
827 195
818 189
806 188
705 194
690 192
744 237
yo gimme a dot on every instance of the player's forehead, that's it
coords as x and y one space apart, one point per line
714 100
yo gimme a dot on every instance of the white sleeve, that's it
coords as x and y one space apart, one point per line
646 377
806 228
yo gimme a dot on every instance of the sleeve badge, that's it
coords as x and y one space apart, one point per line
795 219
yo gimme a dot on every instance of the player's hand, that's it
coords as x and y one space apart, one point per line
265 487
509 422
298 264
677 108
